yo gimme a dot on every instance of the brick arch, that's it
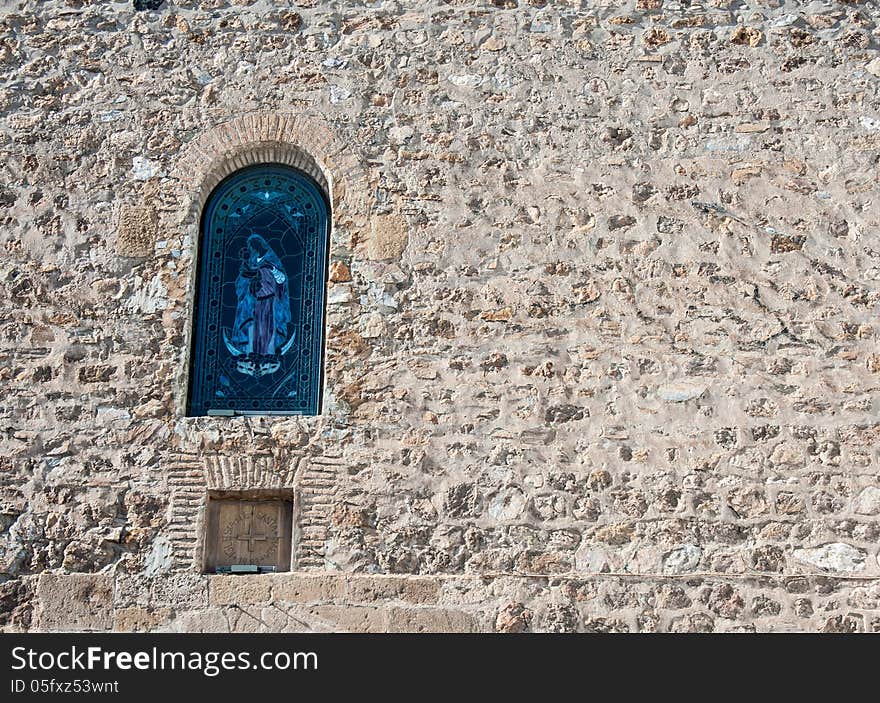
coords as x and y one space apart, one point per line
256 154
302 140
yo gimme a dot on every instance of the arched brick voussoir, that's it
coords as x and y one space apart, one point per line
304 141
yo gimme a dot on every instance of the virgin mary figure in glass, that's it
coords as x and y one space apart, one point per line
262 332
258 331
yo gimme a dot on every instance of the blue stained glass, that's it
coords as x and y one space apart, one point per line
259 326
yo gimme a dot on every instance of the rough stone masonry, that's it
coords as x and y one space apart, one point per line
602 331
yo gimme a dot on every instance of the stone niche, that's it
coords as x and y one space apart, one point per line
306 485
248 528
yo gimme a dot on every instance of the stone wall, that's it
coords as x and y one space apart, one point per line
602 329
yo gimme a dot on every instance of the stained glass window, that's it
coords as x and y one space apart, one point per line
259 314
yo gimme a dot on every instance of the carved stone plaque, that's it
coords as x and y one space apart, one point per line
248 532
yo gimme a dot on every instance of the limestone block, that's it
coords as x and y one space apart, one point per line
868 501
348 618
138 619
836 556
513 617
210 620
369 589
136 230
428 620
683 559
389 235
244 619
307 588
339 272
746 36
74 602
239 590
681 392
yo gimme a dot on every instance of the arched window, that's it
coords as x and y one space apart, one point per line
259 316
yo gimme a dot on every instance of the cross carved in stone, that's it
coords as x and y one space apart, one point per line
250 535
248 532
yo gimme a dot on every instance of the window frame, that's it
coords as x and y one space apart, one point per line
195 405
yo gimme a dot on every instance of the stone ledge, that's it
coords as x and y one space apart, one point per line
354 590
411 589
299 588
364 618
317 588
